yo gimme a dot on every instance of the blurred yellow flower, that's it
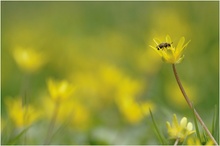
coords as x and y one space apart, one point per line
145 106
196 141
59 90
179 131
133 111
28 60
80 117
128 87
180 103
168 52
110 75
130 109
70 110
127 90
21 115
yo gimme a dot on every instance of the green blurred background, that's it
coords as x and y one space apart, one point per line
84 40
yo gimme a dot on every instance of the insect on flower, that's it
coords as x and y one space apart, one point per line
172 54
163 45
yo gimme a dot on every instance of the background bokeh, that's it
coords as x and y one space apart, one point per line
102 48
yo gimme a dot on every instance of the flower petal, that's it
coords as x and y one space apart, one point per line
183 122
180 59
168 125
183 48
175 121
180 45
168 56
155 49
189 126
168 39
157 41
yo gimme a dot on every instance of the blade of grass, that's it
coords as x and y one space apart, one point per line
205 137
13 141
213 123
196 126
216 124
156 128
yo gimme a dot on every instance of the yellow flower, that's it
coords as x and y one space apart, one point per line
21 115
168 52
59 90
196 141
133 111
70 110
28 60
179 131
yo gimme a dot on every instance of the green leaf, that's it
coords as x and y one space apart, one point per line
215 124
156 128
196 126
205 138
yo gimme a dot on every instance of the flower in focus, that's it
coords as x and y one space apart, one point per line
28 60
59 90
21 115
196 141
168 52
179 131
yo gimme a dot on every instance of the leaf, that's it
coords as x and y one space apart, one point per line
215 124
156 128
196 126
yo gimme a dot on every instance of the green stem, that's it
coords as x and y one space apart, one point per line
52 123
156 128
176 142
24 94
191 105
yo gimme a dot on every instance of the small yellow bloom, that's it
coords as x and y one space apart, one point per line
28 60
168 52
70 110
59 90
179 131
133 111
196 141
21 115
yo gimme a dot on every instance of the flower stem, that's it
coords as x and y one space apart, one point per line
176 142
191 105
52 123
24 94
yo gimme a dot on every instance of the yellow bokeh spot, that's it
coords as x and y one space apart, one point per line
174 94
70 111
21 115
59 90
110 75
28 59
